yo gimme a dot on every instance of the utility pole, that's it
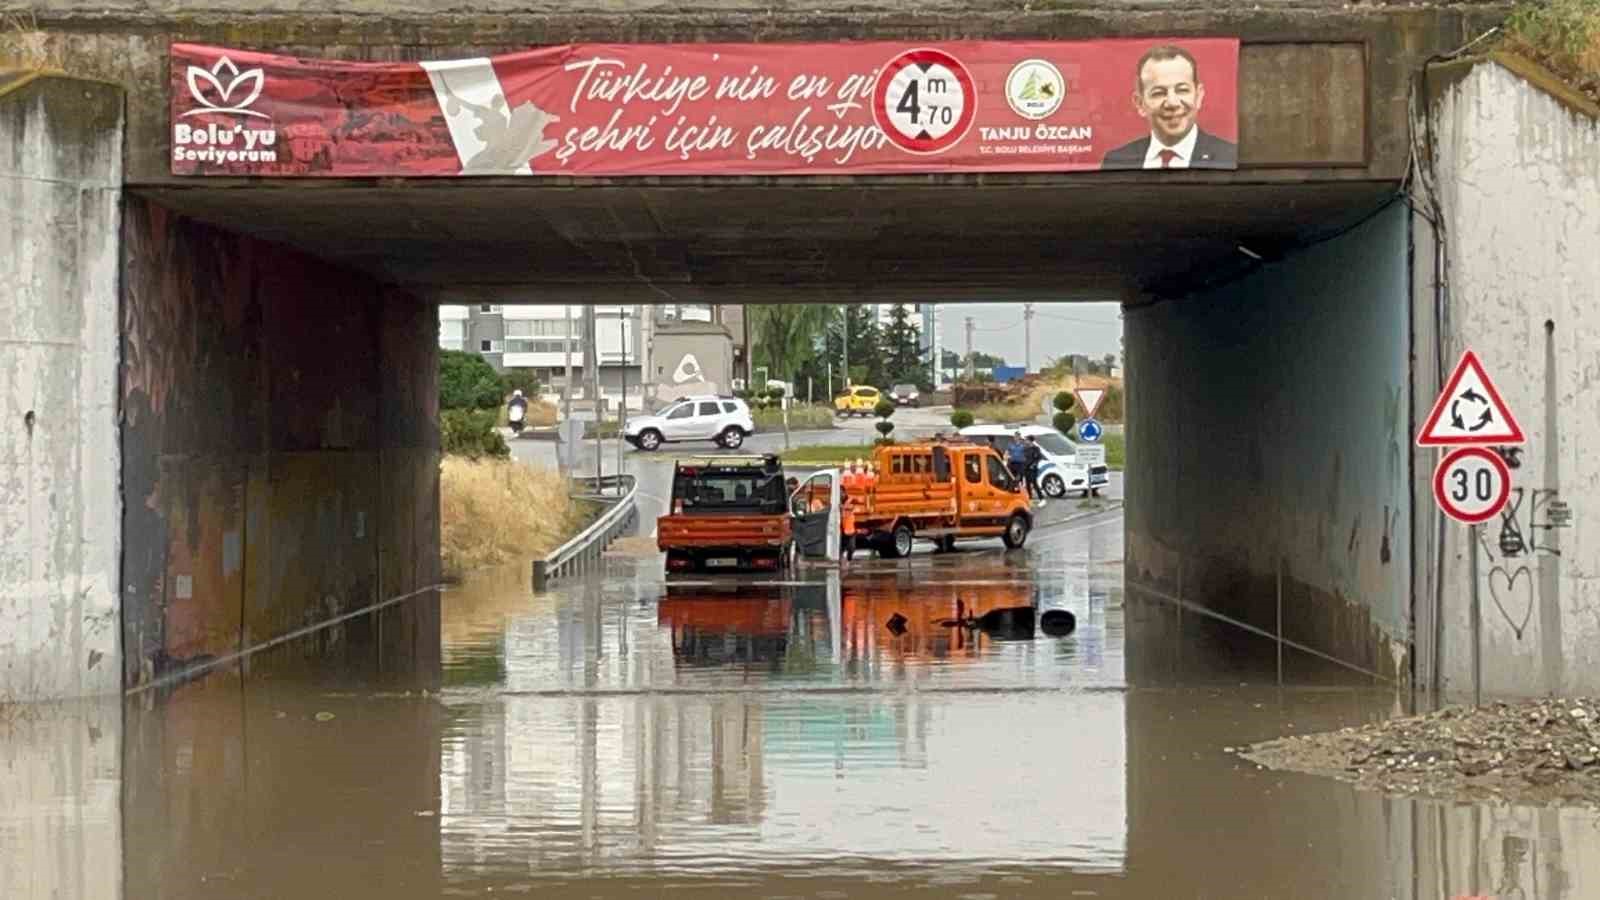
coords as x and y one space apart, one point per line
566 396
591 360
846 311
969 349
622 404
1027 338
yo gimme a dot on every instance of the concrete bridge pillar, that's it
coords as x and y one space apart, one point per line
60 521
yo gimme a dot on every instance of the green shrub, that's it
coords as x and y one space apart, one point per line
961 418
1063 421
884 427
519 380
466 381
1063 401
884 409
471 433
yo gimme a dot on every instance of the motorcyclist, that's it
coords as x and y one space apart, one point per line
517 411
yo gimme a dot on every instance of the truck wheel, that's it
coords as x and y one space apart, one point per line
1016 532
649 439
732 438
1054 487
1095 491
900 540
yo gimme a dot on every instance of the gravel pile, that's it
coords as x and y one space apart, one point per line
1538 752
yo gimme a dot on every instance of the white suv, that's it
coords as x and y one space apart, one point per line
725 420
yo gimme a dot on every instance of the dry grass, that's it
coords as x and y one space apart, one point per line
1563 35
495 512
24 46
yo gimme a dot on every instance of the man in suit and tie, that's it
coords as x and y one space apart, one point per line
1168 94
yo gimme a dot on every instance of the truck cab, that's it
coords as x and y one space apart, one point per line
727 513
940 491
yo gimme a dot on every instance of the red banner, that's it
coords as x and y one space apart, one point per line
713 109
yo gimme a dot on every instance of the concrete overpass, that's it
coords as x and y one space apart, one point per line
275 399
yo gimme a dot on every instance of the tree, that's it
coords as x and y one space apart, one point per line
466 381
901 351
1063 421
961 418
785 335
866 345
520 380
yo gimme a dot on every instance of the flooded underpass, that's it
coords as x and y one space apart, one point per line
831 735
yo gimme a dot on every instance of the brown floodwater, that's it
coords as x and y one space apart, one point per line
828 737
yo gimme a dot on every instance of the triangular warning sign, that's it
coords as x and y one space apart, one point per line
1090 398
1469 411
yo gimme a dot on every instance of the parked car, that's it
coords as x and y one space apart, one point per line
720 419
905 395
860 400
1066 466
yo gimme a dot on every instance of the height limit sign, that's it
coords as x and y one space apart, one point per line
925 101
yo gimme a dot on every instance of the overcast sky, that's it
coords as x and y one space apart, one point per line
1093 329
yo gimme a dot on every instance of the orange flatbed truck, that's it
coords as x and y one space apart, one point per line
727 513
940 491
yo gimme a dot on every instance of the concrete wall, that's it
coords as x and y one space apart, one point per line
1266 423
1518 172
280 447
60 186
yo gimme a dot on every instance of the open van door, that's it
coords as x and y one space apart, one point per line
814 507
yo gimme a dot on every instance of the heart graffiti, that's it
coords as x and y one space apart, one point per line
1510 579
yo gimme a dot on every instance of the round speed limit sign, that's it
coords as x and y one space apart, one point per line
1472 484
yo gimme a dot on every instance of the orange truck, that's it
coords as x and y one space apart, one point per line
727 513
942 491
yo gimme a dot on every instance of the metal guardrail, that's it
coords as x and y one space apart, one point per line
582 553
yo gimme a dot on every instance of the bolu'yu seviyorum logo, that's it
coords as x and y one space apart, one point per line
223 89
236 96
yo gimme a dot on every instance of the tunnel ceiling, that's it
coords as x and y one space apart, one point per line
801 240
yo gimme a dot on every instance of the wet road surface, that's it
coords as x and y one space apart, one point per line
627 736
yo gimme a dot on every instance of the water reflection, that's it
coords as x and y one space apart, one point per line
626 736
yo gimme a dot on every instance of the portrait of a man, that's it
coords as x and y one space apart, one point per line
1168 94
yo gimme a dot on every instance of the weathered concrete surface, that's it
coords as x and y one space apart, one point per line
60 187
1266 423
1517 168
280 450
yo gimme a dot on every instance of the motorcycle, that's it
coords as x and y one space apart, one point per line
517 415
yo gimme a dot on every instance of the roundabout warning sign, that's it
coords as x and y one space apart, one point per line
925 101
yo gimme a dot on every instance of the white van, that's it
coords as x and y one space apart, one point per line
1066 467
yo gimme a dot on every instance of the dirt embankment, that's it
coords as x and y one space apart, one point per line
1534 753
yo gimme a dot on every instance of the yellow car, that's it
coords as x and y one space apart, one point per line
858 401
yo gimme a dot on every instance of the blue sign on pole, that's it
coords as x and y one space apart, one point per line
1089 430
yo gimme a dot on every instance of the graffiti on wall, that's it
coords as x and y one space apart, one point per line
1526 523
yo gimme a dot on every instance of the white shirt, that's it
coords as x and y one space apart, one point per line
1184 149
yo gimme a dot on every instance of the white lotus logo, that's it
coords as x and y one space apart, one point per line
247 84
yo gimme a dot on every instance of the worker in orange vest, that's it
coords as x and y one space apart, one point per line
847 525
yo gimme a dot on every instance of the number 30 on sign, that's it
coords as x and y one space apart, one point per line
1472 485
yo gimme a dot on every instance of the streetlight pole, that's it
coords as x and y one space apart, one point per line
846 311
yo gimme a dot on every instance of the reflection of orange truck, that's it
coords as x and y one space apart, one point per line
942 491
728 513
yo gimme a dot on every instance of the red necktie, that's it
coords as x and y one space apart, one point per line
1167 156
